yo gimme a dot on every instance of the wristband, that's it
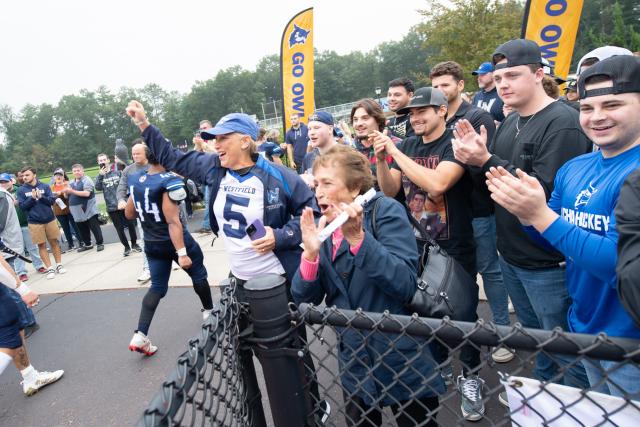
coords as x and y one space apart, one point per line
138 123
182 252
23 289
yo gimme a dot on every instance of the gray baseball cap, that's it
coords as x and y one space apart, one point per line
424 97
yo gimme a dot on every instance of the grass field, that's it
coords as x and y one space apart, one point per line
90 172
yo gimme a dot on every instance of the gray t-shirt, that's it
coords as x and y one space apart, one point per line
88 206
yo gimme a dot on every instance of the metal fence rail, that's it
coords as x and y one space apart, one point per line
325 366
530 402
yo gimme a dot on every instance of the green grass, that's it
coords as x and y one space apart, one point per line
90 172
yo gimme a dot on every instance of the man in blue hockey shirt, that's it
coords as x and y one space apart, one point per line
579 219
154 198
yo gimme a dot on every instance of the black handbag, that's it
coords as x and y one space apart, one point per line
443 285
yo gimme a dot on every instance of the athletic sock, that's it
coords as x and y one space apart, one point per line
29 373
204 293
5 360
149 304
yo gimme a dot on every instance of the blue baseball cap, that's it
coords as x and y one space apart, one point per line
5 177
321 116
484 68
234 122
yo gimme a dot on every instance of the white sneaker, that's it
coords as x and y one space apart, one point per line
510 308
145 276
41 379
206 314
502 355
60 269
142 344
51 274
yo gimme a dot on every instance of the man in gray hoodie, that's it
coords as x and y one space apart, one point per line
108 181
11 235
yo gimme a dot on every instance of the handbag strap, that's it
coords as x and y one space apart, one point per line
424 234
374 213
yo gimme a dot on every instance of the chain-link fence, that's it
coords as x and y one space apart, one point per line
212 383
360 368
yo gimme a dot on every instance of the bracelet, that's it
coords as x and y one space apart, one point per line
182 252
22 290
141 122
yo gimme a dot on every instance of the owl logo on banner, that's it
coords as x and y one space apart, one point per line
298 36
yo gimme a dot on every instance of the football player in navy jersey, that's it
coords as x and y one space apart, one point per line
154 198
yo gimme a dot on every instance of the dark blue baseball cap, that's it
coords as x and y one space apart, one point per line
321 116
484 68
5 177
234 122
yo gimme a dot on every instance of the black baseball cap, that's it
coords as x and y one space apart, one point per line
623 70
517 52
572 86
424 97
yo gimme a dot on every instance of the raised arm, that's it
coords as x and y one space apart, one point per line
193 165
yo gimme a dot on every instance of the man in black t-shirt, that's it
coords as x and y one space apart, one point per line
448 77
538 137
398 96
425 163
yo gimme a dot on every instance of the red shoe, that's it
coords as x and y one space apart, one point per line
42 270
24 277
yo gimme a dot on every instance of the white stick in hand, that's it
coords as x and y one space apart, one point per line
343 217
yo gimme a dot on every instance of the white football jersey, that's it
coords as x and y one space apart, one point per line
239 202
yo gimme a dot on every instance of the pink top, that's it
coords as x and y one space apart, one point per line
309 269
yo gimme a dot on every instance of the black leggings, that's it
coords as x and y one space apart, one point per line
309 366
90 226
118 220
358 414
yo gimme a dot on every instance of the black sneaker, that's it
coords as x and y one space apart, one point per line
85 248
136 248
99 248
126 252
470 389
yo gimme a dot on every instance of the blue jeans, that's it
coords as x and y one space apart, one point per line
488 265
18 265
205 222
541 301
620 379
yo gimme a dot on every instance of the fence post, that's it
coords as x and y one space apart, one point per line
274 338
248 372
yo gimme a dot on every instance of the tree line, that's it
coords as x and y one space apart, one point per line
83 125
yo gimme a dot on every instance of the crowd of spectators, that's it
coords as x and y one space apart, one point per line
518 184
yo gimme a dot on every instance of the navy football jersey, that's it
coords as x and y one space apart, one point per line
147 190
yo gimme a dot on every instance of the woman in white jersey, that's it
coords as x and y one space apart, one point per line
245 189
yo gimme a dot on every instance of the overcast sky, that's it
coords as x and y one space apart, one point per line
55 48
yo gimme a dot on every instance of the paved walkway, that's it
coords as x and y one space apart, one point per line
92 270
